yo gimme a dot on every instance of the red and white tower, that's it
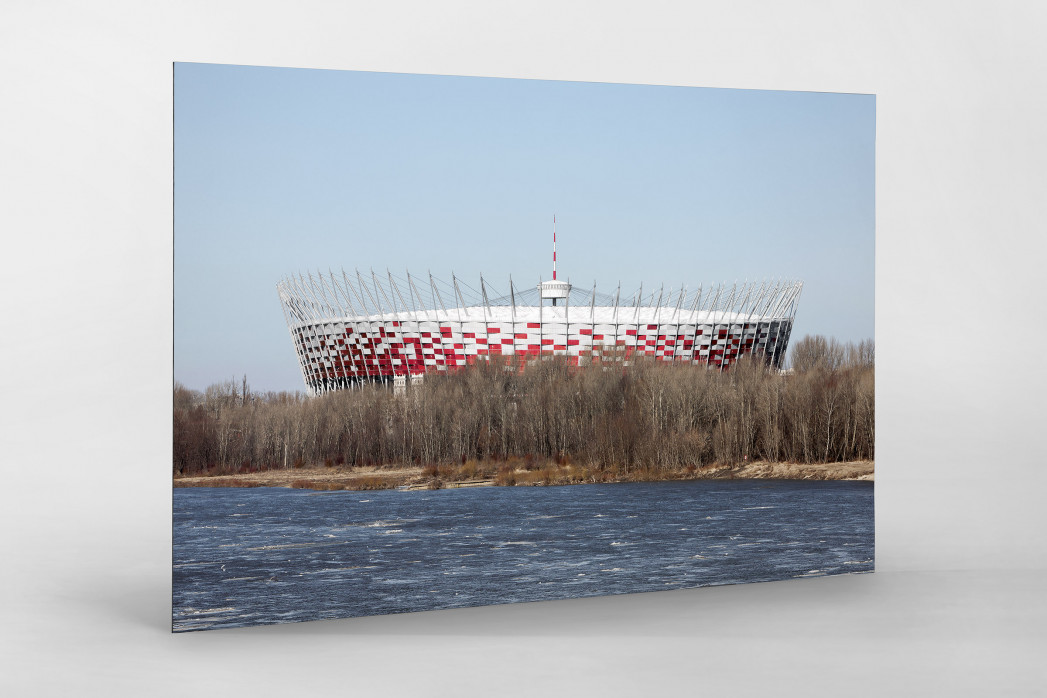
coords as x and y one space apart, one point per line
554 290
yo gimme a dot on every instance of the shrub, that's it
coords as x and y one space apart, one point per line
506 476
469 470
373 483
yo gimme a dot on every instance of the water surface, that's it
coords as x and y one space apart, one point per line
275 555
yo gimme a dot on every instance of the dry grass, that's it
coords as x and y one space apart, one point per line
518 472
357 483
376 483
216 482
322 478
469 471
314 485
506 476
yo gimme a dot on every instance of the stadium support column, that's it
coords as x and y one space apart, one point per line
389 333
730 305
512 321
318 337
371 324
779 316
676 314
566 318
512 300
457 298
385 324
350 314
693 314
287 303
357 337
658 305
321 338
794 304
307 328
748 288
760 311
405 363
436 295
716 324
483 295
416 298
337 311
592 305
396 291
380 291
458 303
487 315
420 303
768 316
711 299
362 322
636 323
775 318
790 313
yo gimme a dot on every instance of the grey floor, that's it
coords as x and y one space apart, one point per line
887 633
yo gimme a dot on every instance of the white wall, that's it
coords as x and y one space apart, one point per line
85 176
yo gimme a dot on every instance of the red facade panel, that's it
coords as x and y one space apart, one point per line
378 351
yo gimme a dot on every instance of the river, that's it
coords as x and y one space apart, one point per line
274 555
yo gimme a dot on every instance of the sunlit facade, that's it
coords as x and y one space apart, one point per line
347 329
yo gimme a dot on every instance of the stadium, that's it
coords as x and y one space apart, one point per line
349 329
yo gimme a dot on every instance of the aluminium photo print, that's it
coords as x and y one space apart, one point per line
448 341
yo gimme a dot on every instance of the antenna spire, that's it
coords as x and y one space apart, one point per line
554 247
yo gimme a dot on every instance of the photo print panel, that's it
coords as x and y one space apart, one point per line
456 341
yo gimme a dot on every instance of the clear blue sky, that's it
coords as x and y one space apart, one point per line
285 170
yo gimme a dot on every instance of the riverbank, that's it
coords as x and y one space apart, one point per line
485 475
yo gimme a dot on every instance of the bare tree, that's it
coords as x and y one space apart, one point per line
645 415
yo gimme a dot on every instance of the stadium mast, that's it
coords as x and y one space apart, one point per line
554 289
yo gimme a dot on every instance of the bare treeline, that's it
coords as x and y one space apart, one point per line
649 415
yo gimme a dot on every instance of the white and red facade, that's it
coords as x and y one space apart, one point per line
346 331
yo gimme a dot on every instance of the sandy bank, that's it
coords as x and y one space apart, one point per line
762 470
372 478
